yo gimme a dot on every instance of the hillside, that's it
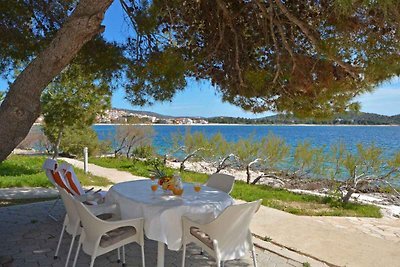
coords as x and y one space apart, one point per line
348 118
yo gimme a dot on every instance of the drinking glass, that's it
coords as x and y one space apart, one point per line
154 187
197 188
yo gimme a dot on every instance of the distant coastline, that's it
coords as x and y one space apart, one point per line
124 116
243 124
239 124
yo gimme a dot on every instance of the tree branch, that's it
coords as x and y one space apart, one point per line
226 14
307 32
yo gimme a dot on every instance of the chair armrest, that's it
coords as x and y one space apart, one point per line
98 191
111 225
88 190
207 227
103 208
187 223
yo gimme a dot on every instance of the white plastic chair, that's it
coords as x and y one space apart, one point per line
228 237
72 222
223 182
50 166
75 185
61 174
99 237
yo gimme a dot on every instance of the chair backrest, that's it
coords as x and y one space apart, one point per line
73 216
223 182
72 179
92 225
50 166
231 228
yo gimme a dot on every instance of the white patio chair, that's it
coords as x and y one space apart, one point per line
223 182
71 223
76 187
50 166
228 237
99 237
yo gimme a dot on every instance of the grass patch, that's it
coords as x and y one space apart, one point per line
282 199
11 202
26 171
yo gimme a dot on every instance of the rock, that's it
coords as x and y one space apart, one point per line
273 182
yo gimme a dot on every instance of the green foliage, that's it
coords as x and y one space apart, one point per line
219 146
143 152
130 139
2 96
348 118
274 149
26 171
367 161
337 152
193 145
308 160
247 150
310 62
76 138
27 27
74 100
156 79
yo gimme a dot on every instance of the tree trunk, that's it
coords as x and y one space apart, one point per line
57 144
21 107
248 174
128 152
347 197
182 166
267 176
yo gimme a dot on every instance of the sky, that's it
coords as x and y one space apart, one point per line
202 99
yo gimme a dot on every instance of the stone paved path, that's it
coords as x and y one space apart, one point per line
29 238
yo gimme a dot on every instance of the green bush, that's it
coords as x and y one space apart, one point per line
75 139
143 152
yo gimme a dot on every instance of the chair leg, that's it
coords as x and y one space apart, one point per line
51 208
119 256
183 255
70 249
253 252
222 263
77 253
92 261
59 241
143 263
123 255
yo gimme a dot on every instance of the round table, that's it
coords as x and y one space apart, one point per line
162 212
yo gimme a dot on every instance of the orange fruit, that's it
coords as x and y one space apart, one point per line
177 191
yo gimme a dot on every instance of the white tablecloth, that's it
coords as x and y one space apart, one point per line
162 213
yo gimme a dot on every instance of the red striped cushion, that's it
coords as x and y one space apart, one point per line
57 178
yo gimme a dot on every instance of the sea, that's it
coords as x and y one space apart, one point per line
385 137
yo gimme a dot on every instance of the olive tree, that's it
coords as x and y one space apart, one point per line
129 137
367 166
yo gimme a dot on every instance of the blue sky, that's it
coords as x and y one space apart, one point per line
201 98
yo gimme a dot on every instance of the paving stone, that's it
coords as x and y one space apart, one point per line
33 244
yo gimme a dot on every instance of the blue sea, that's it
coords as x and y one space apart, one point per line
385 137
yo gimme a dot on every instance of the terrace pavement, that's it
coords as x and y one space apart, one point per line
335 241
29 238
